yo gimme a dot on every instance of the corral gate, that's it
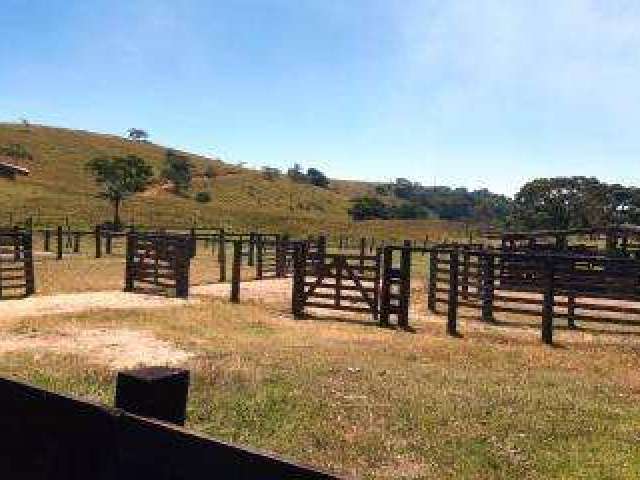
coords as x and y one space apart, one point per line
16 264
159 262
396 286
335 281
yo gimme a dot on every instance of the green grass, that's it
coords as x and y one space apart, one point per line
375 403
59 187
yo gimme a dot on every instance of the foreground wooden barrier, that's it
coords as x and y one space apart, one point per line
47 436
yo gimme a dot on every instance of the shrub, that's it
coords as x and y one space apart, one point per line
317 178
179 170
366 208
270 173
203 197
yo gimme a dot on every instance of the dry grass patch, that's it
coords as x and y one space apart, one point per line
379 403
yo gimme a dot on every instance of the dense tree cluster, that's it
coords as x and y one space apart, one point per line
414 200
313 176
15 151
137 135
178 170
573 202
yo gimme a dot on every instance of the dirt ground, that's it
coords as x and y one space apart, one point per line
121 348
116 348
82 302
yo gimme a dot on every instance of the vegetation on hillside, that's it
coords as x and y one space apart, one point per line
573 202
60 188
178 170
418 201
120 178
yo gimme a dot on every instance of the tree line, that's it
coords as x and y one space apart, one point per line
405 200
544 203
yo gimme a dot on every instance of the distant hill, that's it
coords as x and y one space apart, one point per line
59 186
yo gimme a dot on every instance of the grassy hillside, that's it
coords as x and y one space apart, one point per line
60 187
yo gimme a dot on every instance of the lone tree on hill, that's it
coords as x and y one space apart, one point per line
137 135
120 177
179 170
317 178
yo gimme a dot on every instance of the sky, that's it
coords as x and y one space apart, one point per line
481 94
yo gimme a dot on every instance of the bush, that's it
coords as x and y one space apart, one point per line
270 173
367 208
203 197
179 170
317 178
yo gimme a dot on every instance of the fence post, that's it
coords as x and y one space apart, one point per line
571 310
452 306
156 392
385 291
109 243
488 281
299 267
98 235
252 249
76 242
259 256
17 243
363 251
47 240
193 243
279 257
433 281
129 267
183 254
322 246
235 271
59 243
27 246
405 286
547 305
465 274
222 256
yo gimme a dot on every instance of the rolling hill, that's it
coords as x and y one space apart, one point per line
59 187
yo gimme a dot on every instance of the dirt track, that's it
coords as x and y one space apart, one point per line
81 302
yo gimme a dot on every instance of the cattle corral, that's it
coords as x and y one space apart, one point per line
455 288
549 282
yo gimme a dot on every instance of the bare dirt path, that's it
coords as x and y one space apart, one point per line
114 347
277 290
82 302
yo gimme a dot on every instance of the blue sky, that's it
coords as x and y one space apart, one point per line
465 93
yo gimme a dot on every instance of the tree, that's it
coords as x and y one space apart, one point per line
138 135
574 202
120 177
271 173
178 170
203 197
366 208
15 151
317 178
296 174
